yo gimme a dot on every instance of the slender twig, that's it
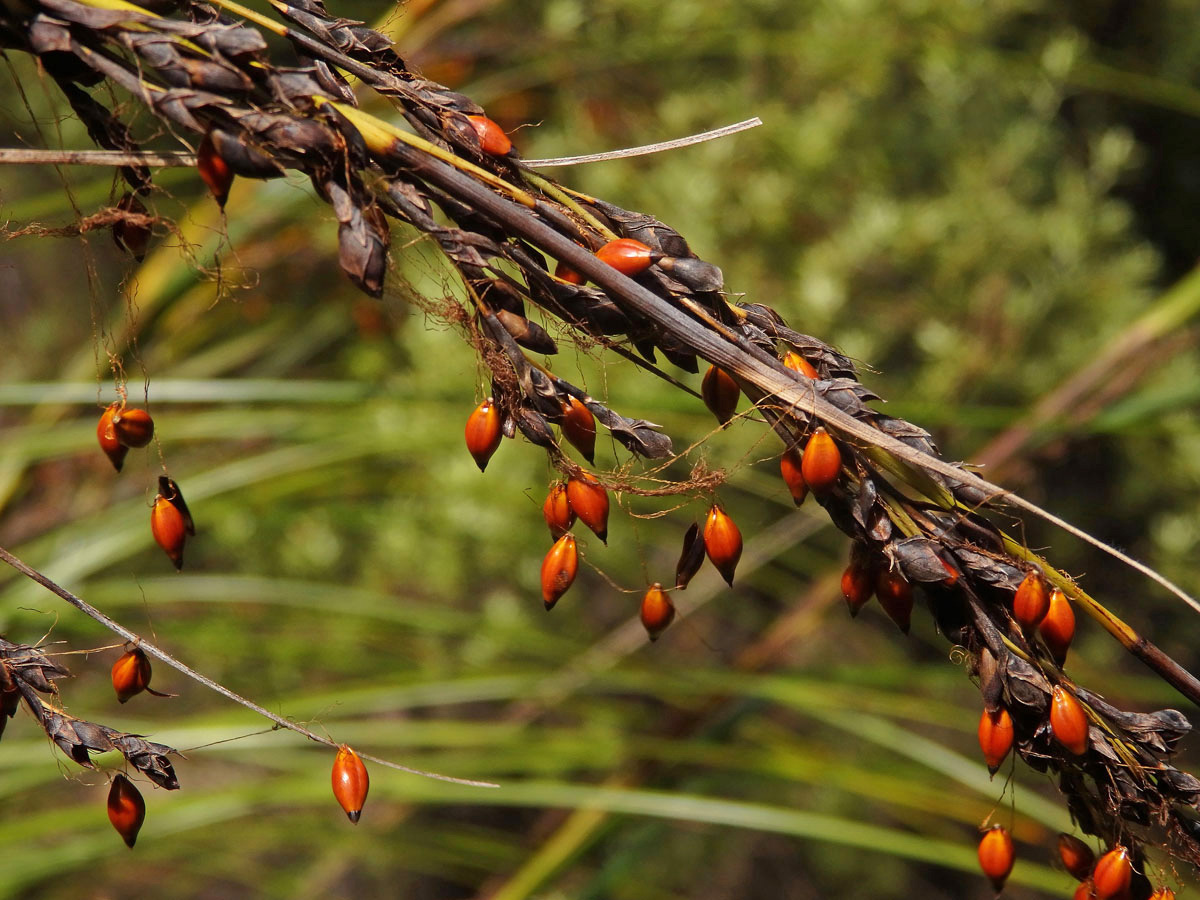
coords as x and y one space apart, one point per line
117 628
645 149
22 156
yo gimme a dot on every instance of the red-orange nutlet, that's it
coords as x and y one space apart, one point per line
169 527
996 855
822 462
858 584
131 674
133 427
106 434
798 363
627 256
995 737
1031 601
492 139
559 568
1068 721
214 170
589 501
126 809
557 511
1113 874
1163 893
579 427
350 782
567 274
1084 891
657 611
789 468
1077 857
1058 627
484 432
720 393
722 542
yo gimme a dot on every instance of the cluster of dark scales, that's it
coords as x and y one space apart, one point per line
26 673
516 237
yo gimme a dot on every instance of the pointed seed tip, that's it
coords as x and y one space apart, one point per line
354 816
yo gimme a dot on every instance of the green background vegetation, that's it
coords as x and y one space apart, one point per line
977 200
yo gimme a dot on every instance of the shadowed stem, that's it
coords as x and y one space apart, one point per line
117 628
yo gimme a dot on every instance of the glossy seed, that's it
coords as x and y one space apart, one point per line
579 427
1031 601
996 855
350 782
995 737
858 582
720 393
822 462
1113 874
1163 893
1058 627
557 511
492 139
589 501
952 573
169 527
559 568
798 363
483 432
722 542
567 274
107 436
691 558
214 170
1084 891
627 256
134 239
789 468
1077 857
1068 721
657 611
131 674
896 597
133 427
126 809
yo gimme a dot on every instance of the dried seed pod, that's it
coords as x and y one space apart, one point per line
107 436
1113 874
559 568
1077 857
589 501
657 611
1058 627
1031 601
350 782
133 427
995 737
579 427
214 170
858 581
627 256
492 139
895 596
1068 721
996 855
566 273
483 432
722 542
169 527
691 558
720 393
131 674
527 333
695 273
129 237
798 363
822 462
789 468
557 511
126 809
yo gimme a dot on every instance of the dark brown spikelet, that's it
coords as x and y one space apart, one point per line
691 558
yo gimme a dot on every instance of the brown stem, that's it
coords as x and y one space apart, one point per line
11 156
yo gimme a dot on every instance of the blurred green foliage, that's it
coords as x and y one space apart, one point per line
956 193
